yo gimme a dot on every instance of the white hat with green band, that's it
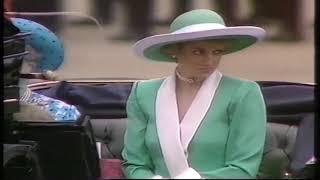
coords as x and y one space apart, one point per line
199 24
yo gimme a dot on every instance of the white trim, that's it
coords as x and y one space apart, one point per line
188 174
10 100
199 108
174 137
199 27
98 144
157 177
167 122
162 39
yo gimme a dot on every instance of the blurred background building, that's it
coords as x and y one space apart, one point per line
286 55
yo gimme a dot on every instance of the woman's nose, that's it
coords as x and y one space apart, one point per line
210 59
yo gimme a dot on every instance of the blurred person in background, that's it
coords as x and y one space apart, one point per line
196 123
54 23
286 15
137 13
228 8
138 22
102 10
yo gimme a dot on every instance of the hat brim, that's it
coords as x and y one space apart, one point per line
240 37
44 41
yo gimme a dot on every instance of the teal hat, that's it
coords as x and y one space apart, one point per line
44 42
199 24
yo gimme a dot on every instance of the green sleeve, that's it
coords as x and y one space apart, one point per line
137 162
247 131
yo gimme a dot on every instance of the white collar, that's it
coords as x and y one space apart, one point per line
174 137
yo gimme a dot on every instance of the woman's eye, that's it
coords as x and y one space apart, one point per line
217 51
196 52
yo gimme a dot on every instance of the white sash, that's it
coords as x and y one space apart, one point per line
173 145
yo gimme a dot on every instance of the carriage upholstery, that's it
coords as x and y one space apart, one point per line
287 105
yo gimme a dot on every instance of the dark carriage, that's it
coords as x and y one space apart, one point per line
290 108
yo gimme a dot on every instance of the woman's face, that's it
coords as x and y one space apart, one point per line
200 58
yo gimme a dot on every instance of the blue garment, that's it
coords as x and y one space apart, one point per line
59 110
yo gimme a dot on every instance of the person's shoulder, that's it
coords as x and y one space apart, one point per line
149 83
146 82
242 89
147 87
236 82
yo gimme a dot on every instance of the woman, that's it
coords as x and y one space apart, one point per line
196 123
46 54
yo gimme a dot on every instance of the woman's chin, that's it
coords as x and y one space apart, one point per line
205 73
202 77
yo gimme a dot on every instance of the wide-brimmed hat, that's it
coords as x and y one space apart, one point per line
44 42
199 24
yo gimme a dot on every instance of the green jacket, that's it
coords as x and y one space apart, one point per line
228 143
